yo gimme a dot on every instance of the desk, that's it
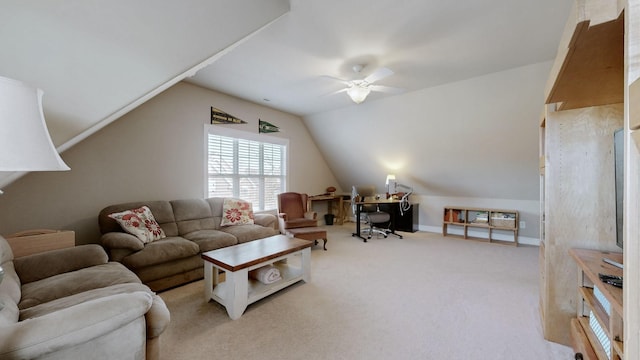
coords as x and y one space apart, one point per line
394 208
330 199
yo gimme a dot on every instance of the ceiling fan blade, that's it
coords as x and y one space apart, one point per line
381 73
387 89
346 82
335 92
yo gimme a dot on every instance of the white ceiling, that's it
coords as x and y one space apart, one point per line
425 42
96 60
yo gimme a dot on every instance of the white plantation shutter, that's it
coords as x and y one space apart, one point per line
248 169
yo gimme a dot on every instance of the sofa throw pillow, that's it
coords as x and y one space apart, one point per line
140 223
236 212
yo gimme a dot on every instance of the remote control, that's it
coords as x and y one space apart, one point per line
605 277
614 263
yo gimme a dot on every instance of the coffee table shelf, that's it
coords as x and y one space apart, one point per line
237 291
257 290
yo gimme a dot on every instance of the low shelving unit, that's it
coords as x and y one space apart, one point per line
597 331
481 220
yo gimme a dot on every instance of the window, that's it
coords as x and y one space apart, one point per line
247 166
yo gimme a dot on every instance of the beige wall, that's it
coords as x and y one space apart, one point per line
154 152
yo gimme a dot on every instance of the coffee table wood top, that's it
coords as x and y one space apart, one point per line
238 257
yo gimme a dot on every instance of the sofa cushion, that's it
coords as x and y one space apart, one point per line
9 295
157 252
150 274
161 210
236 212
29 268
10 285
139 222
208 240
6 254
249 232
101 329
10 312
193 215
75 282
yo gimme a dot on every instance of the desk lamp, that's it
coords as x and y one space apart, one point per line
25 144
391 184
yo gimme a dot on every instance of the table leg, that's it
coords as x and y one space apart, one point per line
237 296
306 264
208 280
340 210
357 233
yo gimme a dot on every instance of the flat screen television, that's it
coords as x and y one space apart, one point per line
618 153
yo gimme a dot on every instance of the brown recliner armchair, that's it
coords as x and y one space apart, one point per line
293 212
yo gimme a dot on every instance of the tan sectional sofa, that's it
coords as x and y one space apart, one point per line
192 226
74 304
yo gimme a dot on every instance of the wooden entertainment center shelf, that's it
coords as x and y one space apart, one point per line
481 218
597 330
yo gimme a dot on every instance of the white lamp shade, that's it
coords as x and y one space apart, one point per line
390 177
25 144
358 93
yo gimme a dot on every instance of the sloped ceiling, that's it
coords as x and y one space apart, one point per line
95 58
426 43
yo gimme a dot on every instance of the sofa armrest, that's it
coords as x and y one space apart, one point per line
157 318
121 240
266 220
43 265
72 326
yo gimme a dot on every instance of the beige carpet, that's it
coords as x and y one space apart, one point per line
421 297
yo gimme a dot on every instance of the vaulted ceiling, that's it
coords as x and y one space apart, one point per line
294 62
97 60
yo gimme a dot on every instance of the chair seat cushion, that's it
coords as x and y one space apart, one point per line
379 217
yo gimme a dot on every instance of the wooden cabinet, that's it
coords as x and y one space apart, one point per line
597 330
405 221
475 223
36 241
583 108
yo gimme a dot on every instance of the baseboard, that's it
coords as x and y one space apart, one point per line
524 240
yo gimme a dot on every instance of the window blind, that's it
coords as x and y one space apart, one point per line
247 169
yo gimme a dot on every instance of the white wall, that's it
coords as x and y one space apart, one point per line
155 152
473 139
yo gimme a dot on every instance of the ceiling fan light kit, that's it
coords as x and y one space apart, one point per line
358 92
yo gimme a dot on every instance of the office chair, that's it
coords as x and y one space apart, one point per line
370 213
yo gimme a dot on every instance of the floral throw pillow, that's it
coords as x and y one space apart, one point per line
236 212
140 223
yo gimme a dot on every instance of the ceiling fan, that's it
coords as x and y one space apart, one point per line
359 89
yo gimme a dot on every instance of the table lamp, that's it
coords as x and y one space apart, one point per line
25 144
391 184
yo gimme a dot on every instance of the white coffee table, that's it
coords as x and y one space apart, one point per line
237 291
